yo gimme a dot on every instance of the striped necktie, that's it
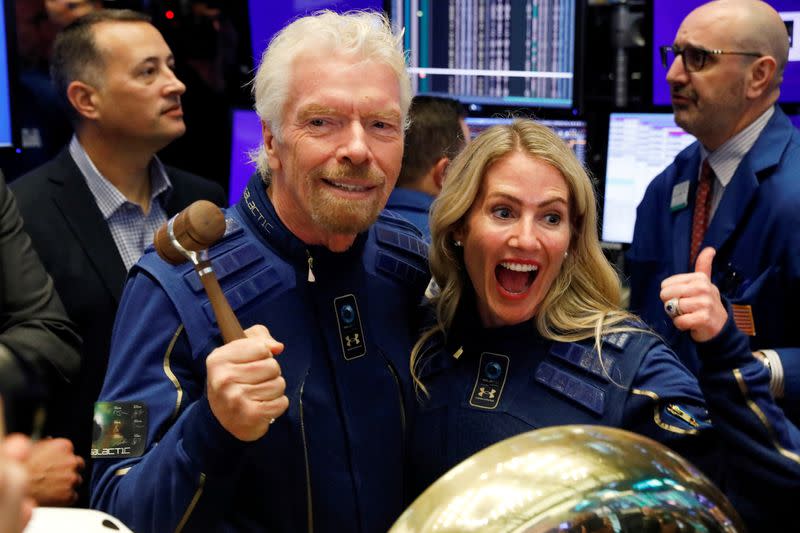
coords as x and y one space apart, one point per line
702 211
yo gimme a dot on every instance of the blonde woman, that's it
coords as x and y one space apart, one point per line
529 333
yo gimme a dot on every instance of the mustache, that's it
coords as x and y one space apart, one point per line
683 93
176 104
350 171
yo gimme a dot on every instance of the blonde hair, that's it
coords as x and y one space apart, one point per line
362 34
583 301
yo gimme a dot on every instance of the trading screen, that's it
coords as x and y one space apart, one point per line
640 146
499 52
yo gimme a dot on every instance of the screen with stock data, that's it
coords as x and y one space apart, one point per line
573 132
494 52
640 146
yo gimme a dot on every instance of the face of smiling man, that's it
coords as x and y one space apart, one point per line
340 151
514 237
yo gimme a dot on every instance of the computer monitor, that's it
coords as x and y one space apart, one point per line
6 73
572 131
246 136
492 53
667 17
640 146
267 17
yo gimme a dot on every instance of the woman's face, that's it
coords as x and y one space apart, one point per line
515 238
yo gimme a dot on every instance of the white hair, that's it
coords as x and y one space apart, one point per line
362 34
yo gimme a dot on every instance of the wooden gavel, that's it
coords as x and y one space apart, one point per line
187 236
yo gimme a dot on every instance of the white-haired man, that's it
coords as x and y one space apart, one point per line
309 255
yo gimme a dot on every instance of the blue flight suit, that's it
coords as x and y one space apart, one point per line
510 380
333 461
755 232
412 205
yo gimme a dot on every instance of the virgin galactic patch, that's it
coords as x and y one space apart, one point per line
120 429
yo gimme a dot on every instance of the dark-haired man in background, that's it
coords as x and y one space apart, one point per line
436 134
92 209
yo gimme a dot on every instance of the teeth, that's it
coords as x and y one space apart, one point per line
349 188
519 267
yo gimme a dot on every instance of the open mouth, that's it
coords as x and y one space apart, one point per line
348 187
516 278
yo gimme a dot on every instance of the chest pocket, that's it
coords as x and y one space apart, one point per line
767 302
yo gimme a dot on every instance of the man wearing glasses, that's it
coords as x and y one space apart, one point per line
737 189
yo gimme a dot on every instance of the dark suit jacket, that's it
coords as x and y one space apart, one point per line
76 247
38 344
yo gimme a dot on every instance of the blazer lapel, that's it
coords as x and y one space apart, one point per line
176 199
764 155
732 207
688 168
80 211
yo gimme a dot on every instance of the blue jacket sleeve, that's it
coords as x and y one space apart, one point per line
189 457
790 360
789 349
752 425
727 424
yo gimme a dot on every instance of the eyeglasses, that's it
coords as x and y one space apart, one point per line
694 58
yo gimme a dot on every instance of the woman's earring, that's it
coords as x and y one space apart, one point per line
458 244
566 254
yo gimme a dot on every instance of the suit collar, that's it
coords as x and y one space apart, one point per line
756 166
79 209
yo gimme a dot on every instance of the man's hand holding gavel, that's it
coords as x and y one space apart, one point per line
244 384
243 380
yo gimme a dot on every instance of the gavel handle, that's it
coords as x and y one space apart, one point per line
228 323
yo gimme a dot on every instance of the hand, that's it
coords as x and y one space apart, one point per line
702 312
244 384
54 472
15 506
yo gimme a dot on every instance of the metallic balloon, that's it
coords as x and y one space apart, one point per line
572 478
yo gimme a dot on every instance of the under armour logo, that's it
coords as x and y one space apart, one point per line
354 340
482 392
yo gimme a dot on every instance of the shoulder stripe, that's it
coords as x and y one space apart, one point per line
402 241
572 387
256 286
226 264
399 269
586 359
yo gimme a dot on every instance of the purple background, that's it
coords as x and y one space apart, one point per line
667 17
246 136
266 18
269 16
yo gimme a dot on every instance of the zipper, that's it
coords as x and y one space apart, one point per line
404 437
305 453
311 278
683 415
399 396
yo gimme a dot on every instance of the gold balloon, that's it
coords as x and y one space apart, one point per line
572 479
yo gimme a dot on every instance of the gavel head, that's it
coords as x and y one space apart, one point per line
196 228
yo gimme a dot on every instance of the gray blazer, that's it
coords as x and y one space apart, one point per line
38 343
